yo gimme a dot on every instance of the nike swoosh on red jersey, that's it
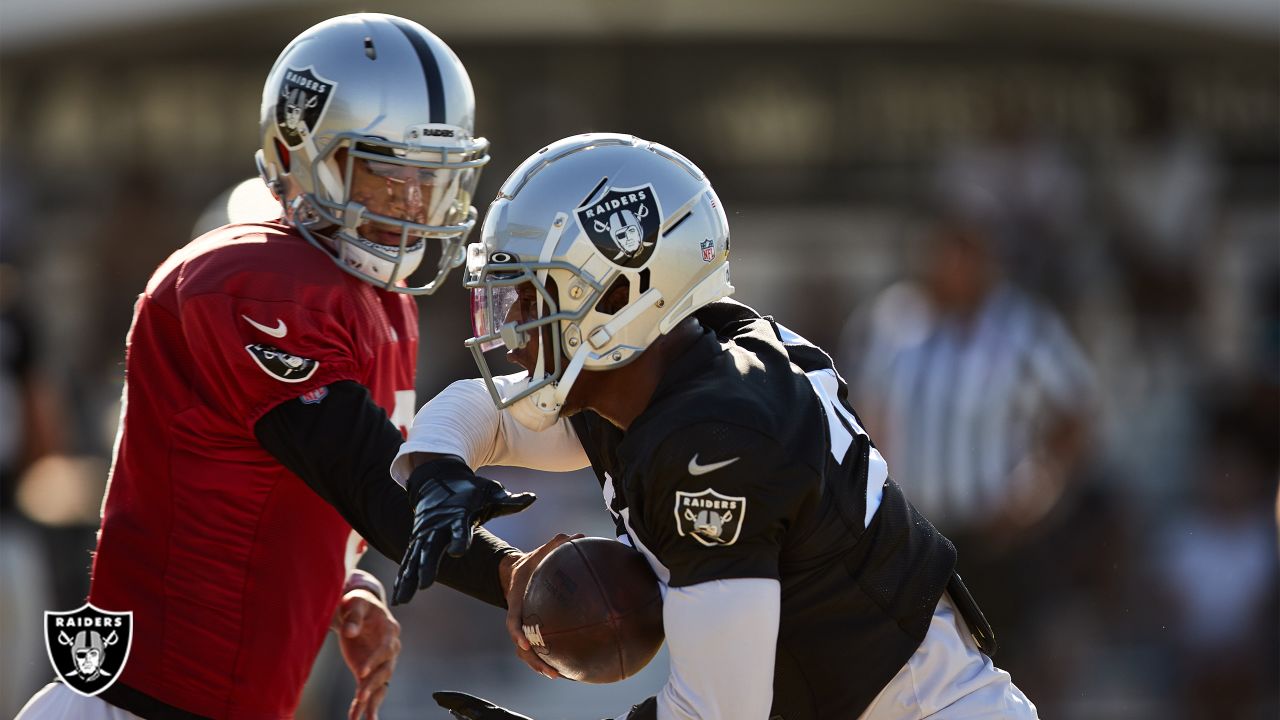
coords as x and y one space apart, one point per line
279 331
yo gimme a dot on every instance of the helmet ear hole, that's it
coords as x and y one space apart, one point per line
282 153
616 297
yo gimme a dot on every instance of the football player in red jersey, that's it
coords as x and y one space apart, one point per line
269 379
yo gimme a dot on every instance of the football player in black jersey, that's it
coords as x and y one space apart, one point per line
798 581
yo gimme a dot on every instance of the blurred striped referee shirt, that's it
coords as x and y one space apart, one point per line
960 402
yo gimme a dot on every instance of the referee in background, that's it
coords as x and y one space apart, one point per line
977 395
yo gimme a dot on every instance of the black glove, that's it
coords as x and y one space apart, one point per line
449 500
469 707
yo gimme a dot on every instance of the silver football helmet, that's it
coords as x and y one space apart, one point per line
577 219
367 130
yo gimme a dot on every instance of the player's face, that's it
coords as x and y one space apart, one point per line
958 270
392 190
425 196
522 310
525 309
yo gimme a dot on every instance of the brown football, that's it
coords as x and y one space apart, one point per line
593 611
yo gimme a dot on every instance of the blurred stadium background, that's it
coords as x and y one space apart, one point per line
1119 160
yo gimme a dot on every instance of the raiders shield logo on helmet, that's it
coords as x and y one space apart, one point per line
623 224
280 364
709 517
304 96
88 647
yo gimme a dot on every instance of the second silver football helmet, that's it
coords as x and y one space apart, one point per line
379 98
580 217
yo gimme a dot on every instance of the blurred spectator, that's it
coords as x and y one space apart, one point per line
31 427
977 391
29 430
1039 229
977 395
1218 567
1161 196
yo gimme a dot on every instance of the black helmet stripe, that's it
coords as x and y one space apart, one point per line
430 70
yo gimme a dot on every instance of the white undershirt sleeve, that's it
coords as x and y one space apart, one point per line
722 637
462 420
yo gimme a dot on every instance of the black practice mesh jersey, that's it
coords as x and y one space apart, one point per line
749 463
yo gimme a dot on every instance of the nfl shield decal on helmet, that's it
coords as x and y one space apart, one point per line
623 224
304 96
88 647
280 364
709 517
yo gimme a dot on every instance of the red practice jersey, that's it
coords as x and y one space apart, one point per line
231 565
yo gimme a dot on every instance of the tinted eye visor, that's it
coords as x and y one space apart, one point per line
429 189
496 286
489 309
399 173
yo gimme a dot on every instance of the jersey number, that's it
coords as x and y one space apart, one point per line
402 416
826 386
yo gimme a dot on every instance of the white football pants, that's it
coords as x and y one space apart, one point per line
948 678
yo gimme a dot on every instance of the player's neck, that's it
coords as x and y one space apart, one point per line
619 396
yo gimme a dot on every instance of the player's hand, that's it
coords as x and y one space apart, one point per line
370 640
470 707
515 576
448 500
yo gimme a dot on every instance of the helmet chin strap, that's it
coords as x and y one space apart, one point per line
529 414
351 218
332 185
541 409
544 255
526 410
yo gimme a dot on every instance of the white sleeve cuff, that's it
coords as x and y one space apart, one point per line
463 420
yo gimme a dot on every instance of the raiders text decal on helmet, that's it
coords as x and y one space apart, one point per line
303 100
623 224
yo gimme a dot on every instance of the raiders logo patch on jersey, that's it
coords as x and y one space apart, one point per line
709 517
280 364
304 96
623 224
88 646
